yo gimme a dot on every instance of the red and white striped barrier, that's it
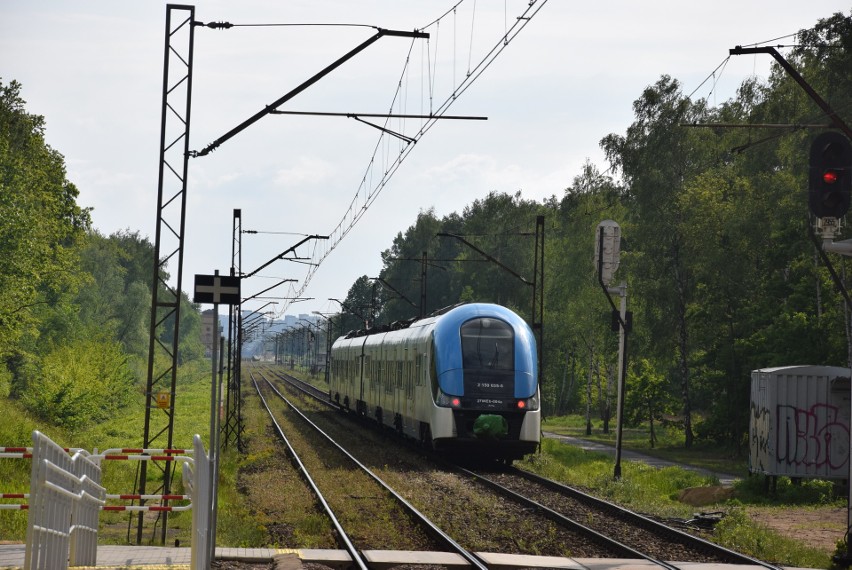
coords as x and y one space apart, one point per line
146 508
150 497
143 451
59 536
27 452
14 506
139 454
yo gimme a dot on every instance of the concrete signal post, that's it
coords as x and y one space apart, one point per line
607 254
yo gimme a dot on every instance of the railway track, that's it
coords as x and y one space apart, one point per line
418 522
657 540
479 520
555 507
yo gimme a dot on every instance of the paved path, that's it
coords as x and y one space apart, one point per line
167 558
153 557
725 479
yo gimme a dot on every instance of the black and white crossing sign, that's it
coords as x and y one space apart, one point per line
217 289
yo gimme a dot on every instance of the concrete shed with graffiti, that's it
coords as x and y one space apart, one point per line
799 422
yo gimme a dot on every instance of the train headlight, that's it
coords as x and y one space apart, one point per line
447 401
528 404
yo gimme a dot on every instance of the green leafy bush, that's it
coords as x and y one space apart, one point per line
83 381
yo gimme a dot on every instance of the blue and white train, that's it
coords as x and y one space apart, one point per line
465 380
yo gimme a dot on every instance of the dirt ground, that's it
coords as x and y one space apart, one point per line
819 528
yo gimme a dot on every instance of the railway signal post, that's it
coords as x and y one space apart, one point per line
215 289
607 253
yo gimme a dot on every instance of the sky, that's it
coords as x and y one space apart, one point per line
94 70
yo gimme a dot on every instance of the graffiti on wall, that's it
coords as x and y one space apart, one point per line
759 436
811 437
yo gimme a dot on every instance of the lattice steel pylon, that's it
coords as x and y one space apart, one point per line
232 429
168 246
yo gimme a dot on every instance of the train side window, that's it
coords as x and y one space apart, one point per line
416 368
421 366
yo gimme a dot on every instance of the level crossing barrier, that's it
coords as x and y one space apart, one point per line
66 497
23 453
196 471
146 454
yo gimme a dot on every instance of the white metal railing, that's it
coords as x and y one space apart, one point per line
66 498
85 511
199 489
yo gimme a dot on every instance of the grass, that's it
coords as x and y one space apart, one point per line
192 411
655 491
641 488
669 444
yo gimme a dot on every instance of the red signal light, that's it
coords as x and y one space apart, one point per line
829 180
456 402
521 404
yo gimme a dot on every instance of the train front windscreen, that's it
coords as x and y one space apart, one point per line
488 360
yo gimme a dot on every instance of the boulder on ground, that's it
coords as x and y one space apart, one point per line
701 496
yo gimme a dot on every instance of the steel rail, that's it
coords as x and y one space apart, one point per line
305 387
633 517
686 538
343 537
598 537
431 527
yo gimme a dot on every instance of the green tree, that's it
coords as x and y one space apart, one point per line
577 315
360 305
647 397
402 273
115 297
657 158
503 227
41 227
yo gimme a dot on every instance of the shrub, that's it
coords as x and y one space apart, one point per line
84 381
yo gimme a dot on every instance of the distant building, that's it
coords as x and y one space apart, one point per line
208 333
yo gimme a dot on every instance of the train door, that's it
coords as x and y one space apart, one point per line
397 401
363 366
386 396
378 371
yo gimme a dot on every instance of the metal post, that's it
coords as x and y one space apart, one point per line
214 490
609 249
328 351
214 452
423 285
622 373
589 395
169 238
538 297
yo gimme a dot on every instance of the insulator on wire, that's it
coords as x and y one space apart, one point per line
216 25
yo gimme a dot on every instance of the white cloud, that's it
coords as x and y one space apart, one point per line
94 70
307 171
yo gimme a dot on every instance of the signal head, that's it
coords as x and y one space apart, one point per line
830 175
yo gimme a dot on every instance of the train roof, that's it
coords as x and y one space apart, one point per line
470 310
